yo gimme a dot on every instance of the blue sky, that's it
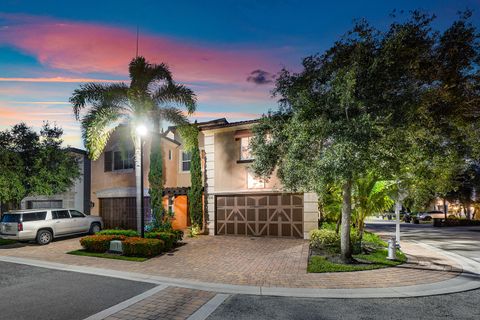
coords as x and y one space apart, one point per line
47 48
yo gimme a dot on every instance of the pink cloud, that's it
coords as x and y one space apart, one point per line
84 47
228 115
55 79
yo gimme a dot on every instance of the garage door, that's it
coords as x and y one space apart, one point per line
260 215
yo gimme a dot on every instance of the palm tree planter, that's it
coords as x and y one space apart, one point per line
146 101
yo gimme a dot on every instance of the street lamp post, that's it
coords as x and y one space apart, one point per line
141 131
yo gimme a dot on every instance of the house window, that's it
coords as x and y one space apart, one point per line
170 205
185 161
245 150
254 183
169 154
118 160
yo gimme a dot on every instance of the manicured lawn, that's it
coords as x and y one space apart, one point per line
106 256
4 242
374 260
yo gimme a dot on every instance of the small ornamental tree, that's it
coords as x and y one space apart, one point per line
189 134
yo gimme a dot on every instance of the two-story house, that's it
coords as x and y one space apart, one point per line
236 202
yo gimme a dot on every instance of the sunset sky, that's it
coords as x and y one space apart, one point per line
227 51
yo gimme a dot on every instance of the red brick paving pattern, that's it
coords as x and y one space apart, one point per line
269 262
171 303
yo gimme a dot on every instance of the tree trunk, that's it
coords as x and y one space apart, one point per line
345 245
445 208
138 182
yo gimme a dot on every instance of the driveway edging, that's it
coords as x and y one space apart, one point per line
469 279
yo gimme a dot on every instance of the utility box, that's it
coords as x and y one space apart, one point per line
116 246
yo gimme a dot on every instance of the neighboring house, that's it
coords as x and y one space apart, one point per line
237 203
77 197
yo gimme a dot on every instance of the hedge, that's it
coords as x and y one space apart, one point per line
99 243
329 240
119 232
141 247
169 239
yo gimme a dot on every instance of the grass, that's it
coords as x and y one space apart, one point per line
375 260
4 242
106 256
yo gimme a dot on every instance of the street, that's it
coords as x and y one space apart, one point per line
36 293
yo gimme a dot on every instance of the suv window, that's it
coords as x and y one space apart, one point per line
34 216
8 217
76 214
60 214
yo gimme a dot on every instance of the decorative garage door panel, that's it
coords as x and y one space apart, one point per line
260 215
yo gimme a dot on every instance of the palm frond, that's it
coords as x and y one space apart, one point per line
97 125
142 73
97 93
178 94
172 115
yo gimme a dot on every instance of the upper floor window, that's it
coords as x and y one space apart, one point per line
169 154
118 160
186 161
245 149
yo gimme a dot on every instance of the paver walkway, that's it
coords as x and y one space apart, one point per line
171 303
266 262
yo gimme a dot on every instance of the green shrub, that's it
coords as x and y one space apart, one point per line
141 247
118 232
328 239
374 240
168 238
325 239
178 235
99 243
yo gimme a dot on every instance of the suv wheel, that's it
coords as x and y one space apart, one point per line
44 237
94 228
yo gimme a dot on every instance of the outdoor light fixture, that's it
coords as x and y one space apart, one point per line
142 130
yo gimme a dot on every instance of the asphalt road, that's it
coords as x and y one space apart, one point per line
464 241
36 293
454 306
466 305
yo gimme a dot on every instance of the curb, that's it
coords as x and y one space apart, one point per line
469 279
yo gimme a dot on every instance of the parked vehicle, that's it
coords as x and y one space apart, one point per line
430 215
43 225
409 216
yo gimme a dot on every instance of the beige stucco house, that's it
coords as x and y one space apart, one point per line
236 202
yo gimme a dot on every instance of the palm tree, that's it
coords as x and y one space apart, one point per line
151 97
371 196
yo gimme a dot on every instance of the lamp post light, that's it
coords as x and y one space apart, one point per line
141 131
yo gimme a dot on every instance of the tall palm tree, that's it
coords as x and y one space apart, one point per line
151 97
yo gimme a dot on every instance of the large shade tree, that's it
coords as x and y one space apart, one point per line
151 96
381 101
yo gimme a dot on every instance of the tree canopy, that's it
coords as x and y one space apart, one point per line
34 163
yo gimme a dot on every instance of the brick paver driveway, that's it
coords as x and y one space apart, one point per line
273 262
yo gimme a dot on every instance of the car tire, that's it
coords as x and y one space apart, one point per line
44 237
94 228
427 219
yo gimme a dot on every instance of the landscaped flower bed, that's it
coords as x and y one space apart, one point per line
133 246
369 252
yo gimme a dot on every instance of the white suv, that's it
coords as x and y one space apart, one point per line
43 225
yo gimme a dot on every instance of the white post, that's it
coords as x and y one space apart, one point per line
398 207
138 182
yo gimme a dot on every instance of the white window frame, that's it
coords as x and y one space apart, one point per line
245 148
171 204
181 161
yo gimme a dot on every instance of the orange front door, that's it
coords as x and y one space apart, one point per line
180 209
